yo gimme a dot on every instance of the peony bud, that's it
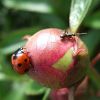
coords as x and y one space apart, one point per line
56 62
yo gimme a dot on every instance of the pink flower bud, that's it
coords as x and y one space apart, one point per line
56 62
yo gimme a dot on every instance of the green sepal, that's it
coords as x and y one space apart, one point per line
64 62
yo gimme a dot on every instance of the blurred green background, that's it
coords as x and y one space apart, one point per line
21 17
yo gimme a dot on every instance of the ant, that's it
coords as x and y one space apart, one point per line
69 34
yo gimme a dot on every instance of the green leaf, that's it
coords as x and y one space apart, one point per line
17 92
33 88
16 35
9 45
92 40
28 5
5 86
78 11
2 76
12 48
94 98
93 21
94 76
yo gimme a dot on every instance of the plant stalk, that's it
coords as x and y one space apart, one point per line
71 93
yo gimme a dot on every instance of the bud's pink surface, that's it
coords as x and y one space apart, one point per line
56 62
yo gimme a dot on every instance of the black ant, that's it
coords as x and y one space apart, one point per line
69 34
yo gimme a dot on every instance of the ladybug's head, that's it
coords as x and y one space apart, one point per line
20 61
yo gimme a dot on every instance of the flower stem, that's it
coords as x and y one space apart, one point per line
45 97
71 93
92 73
97 58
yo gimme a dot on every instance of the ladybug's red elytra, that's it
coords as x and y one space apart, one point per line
20 60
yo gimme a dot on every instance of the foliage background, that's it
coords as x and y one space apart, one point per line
21 17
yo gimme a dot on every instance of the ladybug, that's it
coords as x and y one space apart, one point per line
20 61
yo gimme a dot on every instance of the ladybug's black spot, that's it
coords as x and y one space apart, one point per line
25 60
19 65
